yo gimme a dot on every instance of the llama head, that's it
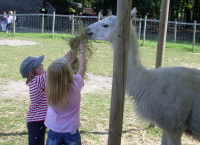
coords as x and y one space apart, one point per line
103 30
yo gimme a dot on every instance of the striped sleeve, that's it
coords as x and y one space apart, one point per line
38 100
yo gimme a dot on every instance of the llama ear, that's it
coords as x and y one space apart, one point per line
112 17
133 12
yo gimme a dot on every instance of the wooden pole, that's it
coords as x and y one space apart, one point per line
73 24
14 22
53 25
175 30
119 71
194 34
162 32
99 16
144 31
140 26
42 22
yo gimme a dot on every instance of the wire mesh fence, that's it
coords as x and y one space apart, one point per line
147 29
43 23
177 32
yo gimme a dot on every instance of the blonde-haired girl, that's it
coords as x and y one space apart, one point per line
63 95
32 69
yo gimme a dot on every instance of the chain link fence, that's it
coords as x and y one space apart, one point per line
147 29
48 23
178 32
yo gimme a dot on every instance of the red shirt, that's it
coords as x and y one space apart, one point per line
38 99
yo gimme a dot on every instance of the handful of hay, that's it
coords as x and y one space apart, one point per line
74 44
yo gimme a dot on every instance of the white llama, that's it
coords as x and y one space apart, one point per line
167 96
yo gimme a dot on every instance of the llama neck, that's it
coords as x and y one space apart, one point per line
136 72
134 62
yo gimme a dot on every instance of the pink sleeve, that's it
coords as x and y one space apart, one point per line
78 81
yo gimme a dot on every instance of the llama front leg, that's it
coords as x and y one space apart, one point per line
164 139
172 139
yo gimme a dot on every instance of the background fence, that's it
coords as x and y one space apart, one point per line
178 32
147 29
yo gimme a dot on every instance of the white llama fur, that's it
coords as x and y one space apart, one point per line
167 96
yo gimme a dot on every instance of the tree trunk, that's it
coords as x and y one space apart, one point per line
114 7
196 13
105 8
188 12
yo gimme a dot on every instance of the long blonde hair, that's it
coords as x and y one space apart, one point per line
59 80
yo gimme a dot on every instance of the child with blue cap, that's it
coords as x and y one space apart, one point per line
32 69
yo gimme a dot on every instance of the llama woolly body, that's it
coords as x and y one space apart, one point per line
167 96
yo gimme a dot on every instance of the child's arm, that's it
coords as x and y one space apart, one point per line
69 55
82 64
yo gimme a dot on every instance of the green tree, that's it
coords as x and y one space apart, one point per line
114 6
151 8
185 10
181 10
176 10
61 6
196 11
188 10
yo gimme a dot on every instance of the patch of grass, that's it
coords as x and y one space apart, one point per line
173 46
174 55
154 131
13 124
34 35
12 56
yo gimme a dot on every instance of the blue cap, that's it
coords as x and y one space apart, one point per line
29 63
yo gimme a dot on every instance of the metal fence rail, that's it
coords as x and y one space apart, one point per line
147 29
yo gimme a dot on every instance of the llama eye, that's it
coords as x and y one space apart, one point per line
105 25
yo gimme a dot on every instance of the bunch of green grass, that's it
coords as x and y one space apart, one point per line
74 43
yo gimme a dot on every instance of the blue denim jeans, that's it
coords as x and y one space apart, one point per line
68 138
36 133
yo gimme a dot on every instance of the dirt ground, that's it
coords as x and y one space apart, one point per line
92 84
11 42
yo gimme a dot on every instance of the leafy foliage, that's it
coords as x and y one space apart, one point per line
181 10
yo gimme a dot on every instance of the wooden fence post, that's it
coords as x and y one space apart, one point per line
99 16
162 32
144 31
14 22
53 25
175 30
139 31
194 34
119 71
42 22
73 24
